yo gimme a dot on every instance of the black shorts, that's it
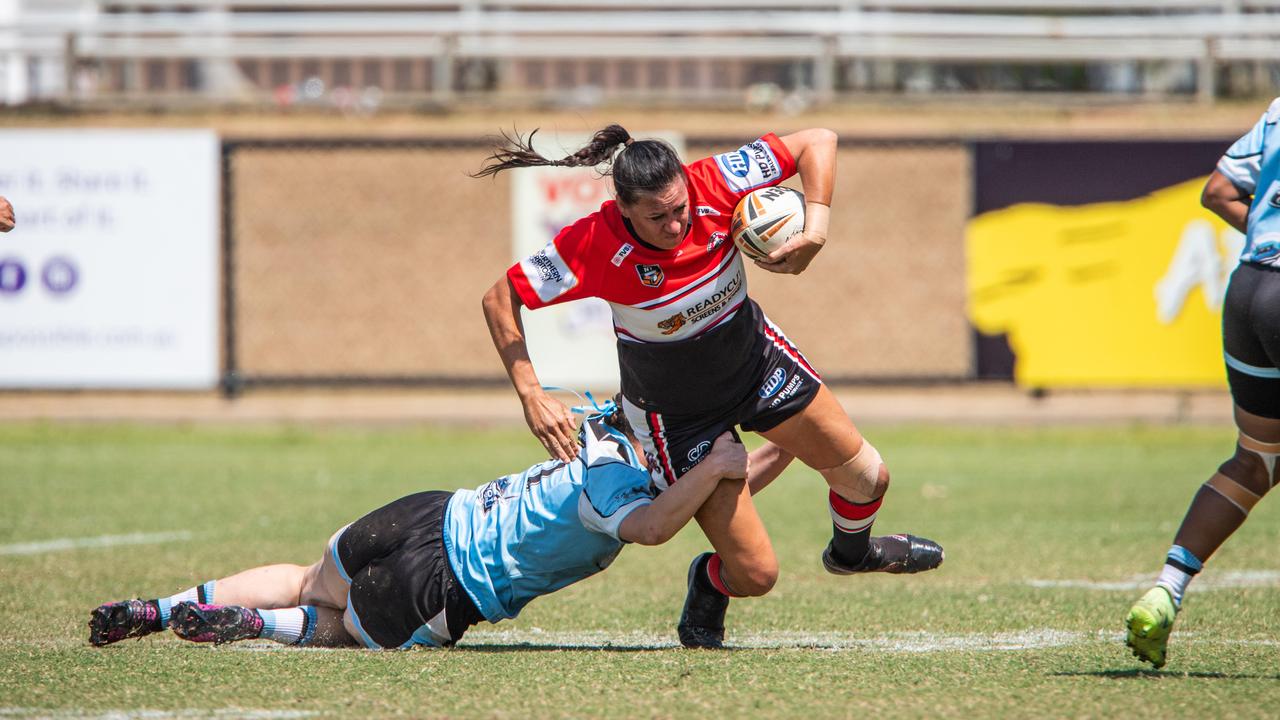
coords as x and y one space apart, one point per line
1251 338
782 383
403 591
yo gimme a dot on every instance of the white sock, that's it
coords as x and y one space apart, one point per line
201 593
291 626
1180 567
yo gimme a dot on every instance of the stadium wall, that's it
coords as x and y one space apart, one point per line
365 261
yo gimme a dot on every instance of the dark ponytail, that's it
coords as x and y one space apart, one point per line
643 167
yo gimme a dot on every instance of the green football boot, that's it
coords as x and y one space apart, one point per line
1149 623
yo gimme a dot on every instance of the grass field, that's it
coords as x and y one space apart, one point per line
1050 534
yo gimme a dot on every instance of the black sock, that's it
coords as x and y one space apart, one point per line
851 527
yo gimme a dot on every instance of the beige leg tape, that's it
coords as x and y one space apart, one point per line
858 475
1237 494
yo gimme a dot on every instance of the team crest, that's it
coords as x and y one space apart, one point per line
671 324
717 239
650 275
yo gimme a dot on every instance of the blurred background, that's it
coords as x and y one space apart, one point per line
266 201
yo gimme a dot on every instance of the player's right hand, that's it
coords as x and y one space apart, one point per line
729 456
6 215
552 423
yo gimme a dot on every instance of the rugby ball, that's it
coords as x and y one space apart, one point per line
765 219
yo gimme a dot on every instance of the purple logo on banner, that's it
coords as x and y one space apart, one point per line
12 276
59 275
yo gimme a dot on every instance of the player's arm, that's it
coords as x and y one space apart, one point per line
660 520
549 419
766 462
6 215
1226 200
814 151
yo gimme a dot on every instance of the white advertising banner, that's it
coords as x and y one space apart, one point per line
571 345
110 278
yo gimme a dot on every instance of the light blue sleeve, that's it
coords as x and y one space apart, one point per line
1243 161
610 493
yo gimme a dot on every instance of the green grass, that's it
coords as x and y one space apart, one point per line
1010 505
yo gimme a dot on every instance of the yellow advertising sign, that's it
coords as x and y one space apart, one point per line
1110 294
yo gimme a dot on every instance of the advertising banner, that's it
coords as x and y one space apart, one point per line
110 278
571 345
1097 265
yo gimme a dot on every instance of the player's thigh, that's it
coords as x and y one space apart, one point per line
1257 427
733 526
326 583
821 435
1251 345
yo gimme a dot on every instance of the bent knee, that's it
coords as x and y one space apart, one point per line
1248 470
756 580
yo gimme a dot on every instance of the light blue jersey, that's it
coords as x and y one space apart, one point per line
530 534
1253 165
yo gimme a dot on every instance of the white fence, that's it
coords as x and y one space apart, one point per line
48 46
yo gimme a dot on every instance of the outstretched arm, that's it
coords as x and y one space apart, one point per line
1226 201
815 153
661 519
549 419
767 462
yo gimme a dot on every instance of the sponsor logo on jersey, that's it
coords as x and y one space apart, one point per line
547 269
1266 251
773 384
698 451
548 274
717 239
793 387
671 324
749 167
1275 199
492 492
705 210
650 275
622 254
715 302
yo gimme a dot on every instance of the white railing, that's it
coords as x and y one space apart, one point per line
822 31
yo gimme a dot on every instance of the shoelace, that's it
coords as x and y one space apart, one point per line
601 410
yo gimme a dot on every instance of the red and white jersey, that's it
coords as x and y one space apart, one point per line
660 295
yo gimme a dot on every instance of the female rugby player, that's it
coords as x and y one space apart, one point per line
423 569
697 355
1243 190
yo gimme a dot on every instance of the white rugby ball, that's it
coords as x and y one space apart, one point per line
765 219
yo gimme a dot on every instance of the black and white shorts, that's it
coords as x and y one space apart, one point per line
1251 338
402 590
784 384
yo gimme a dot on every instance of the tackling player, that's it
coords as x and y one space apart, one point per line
1243 190
698 357
423 569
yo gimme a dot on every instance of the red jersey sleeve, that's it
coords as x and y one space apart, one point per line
561 271
729 176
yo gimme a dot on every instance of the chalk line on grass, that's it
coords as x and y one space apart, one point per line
1209 580
101 541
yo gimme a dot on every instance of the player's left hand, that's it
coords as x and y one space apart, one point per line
793 257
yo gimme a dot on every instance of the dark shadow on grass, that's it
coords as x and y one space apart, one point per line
1161 674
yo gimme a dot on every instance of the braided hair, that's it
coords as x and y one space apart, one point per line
643 167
